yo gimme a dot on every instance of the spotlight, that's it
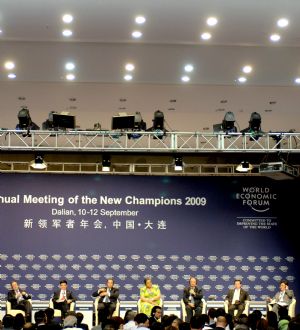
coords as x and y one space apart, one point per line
48 124
244 167
178 163
158 125
227 125
106 163
139 125
25 122
254 126
158 120
38 163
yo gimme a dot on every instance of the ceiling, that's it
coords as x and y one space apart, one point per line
102 44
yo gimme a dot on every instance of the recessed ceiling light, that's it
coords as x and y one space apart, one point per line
70 76
140 19
185 78
247 69
1 31
67 33
242 79
275 37
67 18
9 65
212 21
136 34
128 77
11 75
205 36
297 80
283 22
70 66
188 68
129 67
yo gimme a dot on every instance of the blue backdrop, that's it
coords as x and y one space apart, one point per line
86 228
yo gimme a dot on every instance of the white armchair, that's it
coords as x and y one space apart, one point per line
291 309
115 313
245 311
139 305
57 312
14 312
183 310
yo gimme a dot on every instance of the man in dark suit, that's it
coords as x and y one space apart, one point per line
108 300
192 298
237 298
19 299
283 298
63 298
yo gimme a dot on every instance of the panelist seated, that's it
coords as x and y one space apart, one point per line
19 299
236 299
149 297
63 298
192 298
282 299
108 298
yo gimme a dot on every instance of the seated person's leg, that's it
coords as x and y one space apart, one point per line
231 309
101 312
189 313
111 308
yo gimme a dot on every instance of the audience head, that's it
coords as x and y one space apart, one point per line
221 322
70 321
142 319
49 314
117 322
79 317
211 313
262 324
40 317
195 322
8 321
156 312
294 324
184 326
129 315
220 312
19 321
176 323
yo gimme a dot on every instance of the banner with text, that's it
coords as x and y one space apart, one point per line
87 228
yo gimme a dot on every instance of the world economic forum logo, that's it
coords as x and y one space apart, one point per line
259 199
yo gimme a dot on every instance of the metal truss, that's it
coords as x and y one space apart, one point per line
125 169
115 141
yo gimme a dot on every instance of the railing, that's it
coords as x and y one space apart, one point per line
115 141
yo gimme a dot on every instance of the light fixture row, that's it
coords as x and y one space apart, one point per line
67 19
130 67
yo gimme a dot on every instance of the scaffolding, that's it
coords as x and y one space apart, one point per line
156 142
